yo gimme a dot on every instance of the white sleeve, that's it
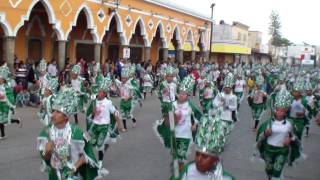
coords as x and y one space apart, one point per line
217 101
233 103
112 109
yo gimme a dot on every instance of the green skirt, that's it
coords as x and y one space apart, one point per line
4 113
99 135
125 109
257 110
275 159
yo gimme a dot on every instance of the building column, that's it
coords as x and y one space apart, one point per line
193 55
61 54
165 54
180 56
207 55
8 50
147 54
97 52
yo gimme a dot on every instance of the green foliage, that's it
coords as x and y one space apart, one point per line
274 30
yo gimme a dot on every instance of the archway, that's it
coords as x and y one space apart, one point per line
157 45
200 49
136 43
112 41
33 39
174 46
80 40
188 47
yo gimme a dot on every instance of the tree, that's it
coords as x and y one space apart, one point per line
274 31
274 28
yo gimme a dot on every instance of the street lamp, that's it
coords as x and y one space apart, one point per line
211 33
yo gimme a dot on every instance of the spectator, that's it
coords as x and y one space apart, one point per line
23 98
17 89
21 74
34 95
53 69
30 73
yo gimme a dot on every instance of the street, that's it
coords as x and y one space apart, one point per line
139 155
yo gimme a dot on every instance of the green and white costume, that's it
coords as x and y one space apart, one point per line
147 83
44 77
258 100
78 86
7 104
229 104
102 126
210 140
167 93
69 144
45 113
185 115
126 94
271 149
239 89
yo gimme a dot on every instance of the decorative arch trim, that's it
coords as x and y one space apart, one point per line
5 25
120 30
51 15
162 33
37 19
90 22
143 31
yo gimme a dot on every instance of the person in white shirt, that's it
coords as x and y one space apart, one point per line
184 110
257 100
209 143
275 136
239 88
52 69
99 119
228 101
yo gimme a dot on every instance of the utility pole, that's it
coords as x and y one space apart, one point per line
211 33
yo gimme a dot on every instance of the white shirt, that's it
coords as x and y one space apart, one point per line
239 85
229 101
194 174
169 92
183 116
208 93
280 131
3 93
103 108
296 107
52 70
126 91
257 96
76 84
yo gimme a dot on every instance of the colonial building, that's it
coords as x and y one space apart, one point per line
100 30
259 52
230 43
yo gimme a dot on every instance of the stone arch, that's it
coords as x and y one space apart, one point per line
37 19
162 33
190 38
120 29
51 16
90 22
5 26
143 32
176 31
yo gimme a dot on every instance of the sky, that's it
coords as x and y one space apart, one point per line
300 20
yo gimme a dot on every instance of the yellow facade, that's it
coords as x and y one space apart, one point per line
43 23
